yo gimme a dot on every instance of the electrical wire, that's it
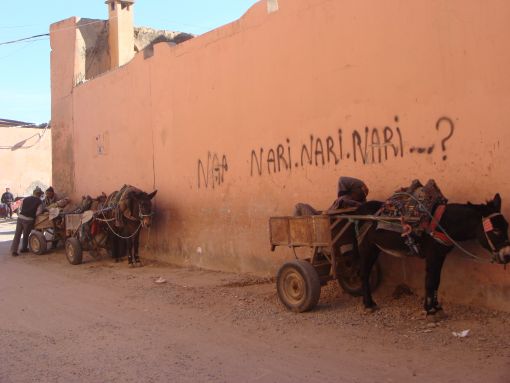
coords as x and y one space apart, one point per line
20 144
78 25
24 39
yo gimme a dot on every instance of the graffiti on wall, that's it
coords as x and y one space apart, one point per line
102 143
445 127
371 145
211 171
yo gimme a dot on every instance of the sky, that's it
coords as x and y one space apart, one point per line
25 66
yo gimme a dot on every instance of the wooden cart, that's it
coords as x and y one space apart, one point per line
49 228
333 255
74 229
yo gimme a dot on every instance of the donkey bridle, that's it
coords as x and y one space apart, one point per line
487 228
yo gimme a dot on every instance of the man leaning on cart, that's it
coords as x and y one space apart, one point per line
30 208
351 192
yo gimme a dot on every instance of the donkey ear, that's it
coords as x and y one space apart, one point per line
497 202
151 196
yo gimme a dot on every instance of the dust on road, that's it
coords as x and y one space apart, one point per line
105 322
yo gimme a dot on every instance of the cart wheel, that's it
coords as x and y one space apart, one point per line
298 285
37 242
73 251
350 279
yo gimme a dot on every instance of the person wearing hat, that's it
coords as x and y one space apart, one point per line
30 208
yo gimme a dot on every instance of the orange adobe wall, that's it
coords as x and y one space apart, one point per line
19 147
241 123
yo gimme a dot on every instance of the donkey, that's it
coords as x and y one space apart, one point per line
131 211
460 222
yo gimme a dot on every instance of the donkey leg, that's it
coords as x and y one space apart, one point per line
434 265
129 252
136 246
368 257
115 249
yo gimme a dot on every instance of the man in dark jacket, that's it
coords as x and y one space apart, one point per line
50 197
8 199
30 208
351 192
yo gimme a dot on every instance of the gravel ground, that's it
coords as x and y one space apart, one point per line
106 322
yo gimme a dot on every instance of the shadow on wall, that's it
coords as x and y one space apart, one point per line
94 51
148 46
28 142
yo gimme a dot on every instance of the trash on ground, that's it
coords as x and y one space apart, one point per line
461 334
160 280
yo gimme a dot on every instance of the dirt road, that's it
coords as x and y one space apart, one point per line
105 322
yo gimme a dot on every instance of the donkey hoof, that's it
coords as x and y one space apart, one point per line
371 309
436 316
441 314
432 318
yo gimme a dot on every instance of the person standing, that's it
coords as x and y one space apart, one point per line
8 199
30 208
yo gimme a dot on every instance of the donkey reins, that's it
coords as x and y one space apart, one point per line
488 227
455 243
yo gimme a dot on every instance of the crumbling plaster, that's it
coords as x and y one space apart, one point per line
93 55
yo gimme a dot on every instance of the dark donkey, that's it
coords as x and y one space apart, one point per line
130 210
460 221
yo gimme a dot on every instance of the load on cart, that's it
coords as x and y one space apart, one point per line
334 235
70 226
345 243
109 222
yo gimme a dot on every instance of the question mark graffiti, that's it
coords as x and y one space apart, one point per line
449 122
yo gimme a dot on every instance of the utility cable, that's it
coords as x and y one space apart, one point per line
78 25
20 144
24 39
